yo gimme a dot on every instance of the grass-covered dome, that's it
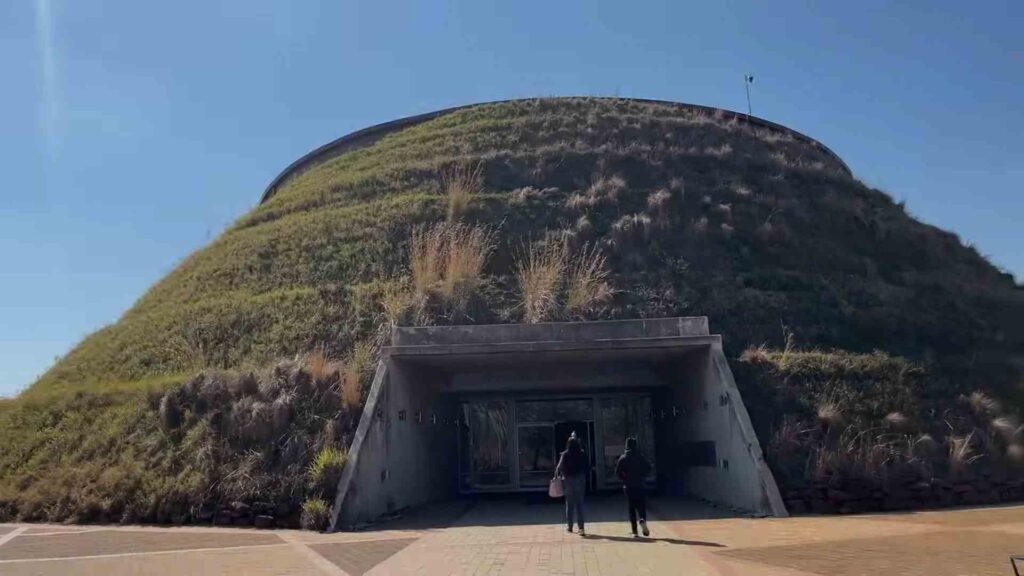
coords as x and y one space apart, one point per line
688 211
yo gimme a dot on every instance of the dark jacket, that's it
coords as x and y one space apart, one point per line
632 468
571 463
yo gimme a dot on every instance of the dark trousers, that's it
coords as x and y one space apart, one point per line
575 490
637 501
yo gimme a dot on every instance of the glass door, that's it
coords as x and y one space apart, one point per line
484 445
536 454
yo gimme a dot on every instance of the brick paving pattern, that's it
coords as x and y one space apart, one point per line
356 558
515 537
105 542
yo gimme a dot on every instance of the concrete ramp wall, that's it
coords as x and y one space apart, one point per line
712 449
403 452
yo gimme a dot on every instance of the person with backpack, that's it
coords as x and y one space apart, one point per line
632 468
572 469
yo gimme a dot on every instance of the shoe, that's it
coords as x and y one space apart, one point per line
583 532
643 526
635 535
569 529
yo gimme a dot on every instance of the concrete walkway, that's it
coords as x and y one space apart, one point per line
515 537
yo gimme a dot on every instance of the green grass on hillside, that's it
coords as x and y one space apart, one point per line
693 214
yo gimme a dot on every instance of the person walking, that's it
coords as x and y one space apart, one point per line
632 468
572 469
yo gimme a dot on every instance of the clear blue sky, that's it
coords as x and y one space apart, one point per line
131 132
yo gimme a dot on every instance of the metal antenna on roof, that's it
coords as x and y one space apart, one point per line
748 79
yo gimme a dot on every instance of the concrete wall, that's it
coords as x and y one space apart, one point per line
399 460
566 378
551 332
709 409
403 453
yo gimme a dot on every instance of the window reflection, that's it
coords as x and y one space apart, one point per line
486 446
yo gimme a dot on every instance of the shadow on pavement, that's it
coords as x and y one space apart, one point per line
653 540
536 509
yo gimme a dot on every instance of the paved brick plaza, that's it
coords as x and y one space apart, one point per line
517 537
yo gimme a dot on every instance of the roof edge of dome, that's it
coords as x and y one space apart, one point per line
369 135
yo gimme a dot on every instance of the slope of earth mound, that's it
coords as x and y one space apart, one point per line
683 210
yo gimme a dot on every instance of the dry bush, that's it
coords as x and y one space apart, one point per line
719 151
1004 427
657 206
427 247
170 412
587 286
448 260
601 191
281 412
830 415
468 249
984 406
397 300
461 184
961 453
897 422
925 446
631 227
584 227
607 189
323 370
357 365
538 272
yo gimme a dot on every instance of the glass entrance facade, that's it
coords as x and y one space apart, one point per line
512 444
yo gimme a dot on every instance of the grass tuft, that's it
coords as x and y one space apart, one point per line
461 184
587 283
539 270
315 514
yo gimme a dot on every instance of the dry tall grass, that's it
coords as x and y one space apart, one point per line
323 370
539 270
448 260
467 251
357 366
427 247
587 286
461 184
961 453
396 299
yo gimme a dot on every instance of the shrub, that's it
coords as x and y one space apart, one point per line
587 286
461 184
315 514
325 470
897 422
170 412
830 415
467 252
447 261
397 300
427 247
358 364
323 370
539 270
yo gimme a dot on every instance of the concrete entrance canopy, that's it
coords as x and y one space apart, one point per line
406 450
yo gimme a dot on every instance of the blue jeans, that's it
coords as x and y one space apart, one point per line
575 490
